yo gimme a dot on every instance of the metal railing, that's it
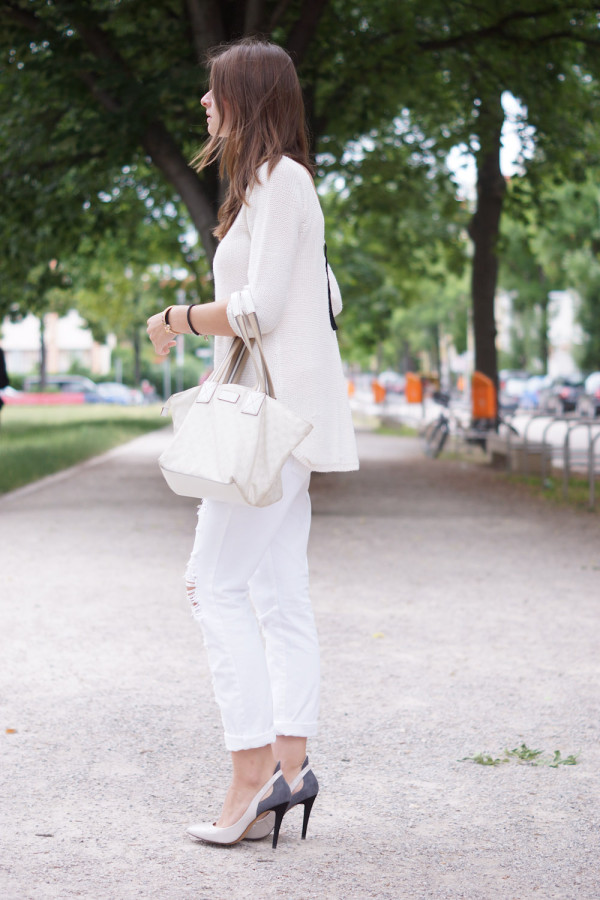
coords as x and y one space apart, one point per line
548 451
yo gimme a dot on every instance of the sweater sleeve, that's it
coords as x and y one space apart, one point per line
275 215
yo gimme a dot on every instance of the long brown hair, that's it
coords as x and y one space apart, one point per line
257 83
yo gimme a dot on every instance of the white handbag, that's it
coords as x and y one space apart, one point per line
231 441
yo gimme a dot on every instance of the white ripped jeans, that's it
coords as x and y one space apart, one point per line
247 574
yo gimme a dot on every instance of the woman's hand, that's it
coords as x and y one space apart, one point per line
162 341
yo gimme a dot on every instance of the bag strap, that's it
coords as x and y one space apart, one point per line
332 321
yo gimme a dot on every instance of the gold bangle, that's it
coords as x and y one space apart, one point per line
165 321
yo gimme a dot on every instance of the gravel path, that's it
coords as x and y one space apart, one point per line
456 616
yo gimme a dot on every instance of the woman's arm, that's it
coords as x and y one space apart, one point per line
207 318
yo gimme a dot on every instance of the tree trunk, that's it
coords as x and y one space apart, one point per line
483 230
200 197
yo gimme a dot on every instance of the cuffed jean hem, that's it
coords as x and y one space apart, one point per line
238 742
296 729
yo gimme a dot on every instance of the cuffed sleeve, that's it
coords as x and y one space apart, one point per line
232 308
275 217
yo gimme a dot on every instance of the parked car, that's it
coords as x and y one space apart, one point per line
588 403
69 384
115 392
530 398
512 386
561 395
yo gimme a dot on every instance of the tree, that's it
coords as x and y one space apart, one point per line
568 243
91 91
394 242
552 242
453 63
528 282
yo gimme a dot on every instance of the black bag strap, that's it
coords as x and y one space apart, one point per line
331 316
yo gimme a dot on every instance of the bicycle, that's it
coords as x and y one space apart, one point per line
449 422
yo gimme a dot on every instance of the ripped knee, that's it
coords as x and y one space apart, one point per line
190 587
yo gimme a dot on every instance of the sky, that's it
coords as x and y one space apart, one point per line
462 162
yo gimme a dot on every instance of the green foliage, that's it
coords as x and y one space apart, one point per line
397 243
524 754
554 244
484 759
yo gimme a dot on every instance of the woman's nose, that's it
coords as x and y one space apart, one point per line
206 99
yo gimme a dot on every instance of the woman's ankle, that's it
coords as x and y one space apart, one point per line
252 768
291 753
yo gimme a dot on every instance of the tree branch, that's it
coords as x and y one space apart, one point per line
102 96
167 157
497 28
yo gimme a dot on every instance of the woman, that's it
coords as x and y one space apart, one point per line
248 572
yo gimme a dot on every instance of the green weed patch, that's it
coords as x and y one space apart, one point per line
524 755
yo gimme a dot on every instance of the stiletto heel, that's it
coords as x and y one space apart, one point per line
277 803
280 812
307 793
308 805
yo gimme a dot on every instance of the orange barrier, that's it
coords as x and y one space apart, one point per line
414 388
351 388
483 397
378 392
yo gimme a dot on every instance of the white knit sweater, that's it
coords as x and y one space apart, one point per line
275 249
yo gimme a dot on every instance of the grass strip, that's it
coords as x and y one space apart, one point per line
397 431
578 495
39 441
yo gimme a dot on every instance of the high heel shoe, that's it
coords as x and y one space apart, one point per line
276 803
262 828
307 793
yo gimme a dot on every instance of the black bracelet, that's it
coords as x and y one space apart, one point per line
167 311
189 320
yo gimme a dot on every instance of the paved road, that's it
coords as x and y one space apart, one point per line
456 616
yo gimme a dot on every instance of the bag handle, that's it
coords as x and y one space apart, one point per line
250 329
248 344
244 313
247 319
255 352
230 363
